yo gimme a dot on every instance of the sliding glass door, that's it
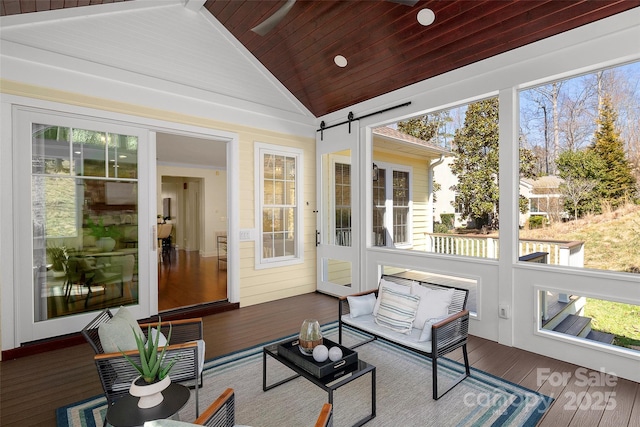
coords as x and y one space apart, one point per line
81 240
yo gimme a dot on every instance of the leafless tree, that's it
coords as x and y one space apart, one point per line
575 190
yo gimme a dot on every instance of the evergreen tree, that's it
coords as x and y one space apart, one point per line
430 127
476 162
617 182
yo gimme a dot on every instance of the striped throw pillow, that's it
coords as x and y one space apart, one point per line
397 310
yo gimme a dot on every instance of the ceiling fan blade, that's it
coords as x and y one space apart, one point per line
405 2
269 24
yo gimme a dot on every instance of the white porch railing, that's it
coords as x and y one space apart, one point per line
569 253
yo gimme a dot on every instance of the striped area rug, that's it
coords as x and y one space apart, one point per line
403 393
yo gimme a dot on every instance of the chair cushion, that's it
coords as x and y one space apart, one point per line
391 285
434 303
162 341
118 333
397 310
361 305
427 331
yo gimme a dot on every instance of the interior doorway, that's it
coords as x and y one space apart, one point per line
192 197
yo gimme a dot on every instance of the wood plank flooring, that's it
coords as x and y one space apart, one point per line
33 387
186 279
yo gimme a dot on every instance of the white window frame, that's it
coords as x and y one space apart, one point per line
388 217
260 150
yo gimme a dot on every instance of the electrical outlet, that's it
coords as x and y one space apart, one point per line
246 234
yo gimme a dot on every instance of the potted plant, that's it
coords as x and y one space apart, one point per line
105 235
58 256
153 369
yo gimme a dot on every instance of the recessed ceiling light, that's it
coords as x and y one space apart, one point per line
340 61
426 17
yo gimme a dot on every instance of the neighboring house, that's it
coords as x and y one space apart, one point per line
403 191
544 198
446 197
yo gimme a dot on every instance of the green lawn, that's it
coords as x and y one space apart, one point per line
612 242
621 320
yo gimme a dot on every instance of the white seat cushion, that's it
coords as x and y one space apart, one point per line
368 323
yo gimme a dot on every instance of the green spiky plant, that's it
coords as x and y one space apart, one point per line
151 366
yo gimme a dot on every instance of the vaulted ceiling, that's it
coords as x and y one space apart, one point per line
385 46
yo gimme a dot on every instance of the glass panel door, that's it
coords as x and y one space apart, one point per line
337 233
79 249
84 195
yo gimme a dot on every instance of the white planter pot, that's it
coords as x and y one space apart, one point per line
150 394
106 244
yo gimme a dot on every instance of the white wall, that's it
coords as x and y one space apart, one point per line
214 205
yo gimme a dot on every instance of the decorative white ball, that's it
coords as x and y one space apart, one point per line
320 353
335 354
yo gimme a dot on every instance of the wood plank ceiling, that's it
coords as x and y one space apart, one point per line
385 46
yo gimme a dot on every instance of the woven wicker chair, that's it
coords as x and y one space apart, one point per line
221 413
116 373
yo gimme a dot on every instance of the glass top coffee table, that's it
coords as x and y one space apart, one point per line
328 383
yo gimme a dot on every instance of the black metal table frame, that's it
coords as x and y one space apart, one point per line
330 385
125 411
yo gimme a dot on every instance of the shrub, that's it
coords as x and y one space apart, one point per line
440 228
537 221
448 220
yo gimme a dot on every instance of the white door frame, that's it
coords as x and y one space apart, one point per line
18 328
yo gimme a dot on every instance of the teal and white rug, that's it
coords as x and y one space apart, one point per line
403 393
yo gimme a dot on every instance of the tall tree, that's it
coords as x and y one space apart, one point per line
617 182
476 162
431 127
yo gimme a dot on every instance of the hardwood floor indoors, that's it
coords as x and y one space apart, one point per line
186 279
34 386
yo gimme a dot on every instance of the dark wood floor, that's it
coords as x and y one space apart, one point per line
33 387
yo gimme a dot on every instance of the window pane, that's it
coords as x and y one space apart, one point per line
90 152
123 156
50 148
279 213
85 230
457 211
342 196
379 199
278 193
581 136
591 319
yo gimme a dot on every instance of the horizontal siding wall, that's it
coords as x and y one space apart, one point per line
268 284
254 286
